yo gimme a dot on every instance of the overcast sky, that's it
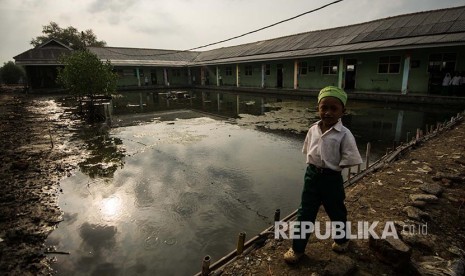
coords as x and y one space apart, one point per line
185 24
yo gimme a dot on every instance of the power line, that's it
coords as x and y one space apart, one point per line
238 36
266 27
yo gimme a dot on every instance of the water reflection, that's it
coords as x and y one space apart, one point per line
384 125
111 207
187 186
172 184
105 152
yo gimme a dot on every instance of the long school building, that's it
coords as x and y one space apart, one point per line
403 54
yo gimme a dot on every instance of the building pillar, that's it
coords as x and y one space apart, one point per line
138 76
204 98
217 76
202 76
238 75
341 73
263 75
406 74
400 120
165 77
189 76
296 74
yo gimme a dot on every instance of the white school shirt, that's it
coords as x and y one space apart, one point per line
334 149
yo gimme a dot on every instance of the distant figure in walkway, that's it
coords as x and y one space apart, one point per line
329 147
455 83
445 84
146 81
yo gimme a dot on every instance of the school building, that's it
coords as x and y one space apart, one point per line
403 54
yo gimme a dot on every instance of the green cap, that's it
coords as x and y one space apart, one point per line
333 91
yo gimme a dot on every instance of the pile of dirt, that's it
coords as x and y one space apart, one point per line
422 194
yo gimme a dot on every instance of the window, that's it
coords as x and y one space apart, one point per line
248 70
267 69
303 68
442 62
329 67
228 71
389 65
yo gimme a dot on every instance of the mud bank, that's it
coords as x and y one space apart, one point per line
422 193
36 153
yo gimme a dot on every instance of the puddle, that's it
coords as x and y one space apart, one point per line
183 190
169 184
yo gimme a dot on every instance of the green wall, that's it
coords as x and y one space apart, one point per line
367 77
314 79
254 80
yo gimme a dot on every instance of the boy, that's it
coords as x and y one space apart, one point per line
329 147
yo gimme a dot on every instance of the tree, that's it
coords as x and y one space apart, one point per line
85 75
11 73
69 36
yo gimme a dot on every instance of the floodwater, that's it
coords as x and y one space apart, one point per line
179 175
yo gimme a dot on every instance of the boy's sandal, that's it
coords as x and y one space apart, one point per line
291 257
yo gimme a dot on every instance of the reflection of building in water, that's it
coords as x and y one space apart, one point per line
385 126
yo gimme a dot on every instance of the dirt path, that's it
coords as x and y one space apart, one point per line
35 155
434 247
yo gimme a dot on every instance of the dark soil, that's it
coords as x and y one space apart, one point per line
35 153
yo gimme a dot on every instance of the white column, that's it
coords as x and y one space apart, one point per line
296 74
138 77
202 76
406 74
263 75
217 76
238 74
189 76
400 120
165 76
341 69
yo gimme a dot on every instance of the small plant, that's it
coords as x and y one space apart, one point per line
84 75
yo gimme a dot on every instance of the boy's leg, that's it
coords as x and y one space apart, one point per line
310 203
333 202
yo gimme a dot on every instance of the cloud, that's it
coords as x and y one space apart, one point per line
115 6
114 12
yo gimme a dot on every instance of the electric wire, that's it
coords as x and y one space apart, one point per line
232 38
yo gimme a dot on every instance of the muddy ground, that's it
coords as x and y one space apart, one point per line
38 147
36 151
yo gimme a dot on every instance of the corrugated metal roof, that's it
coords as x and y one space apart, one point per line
136 56
405 30
399 43
44 54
